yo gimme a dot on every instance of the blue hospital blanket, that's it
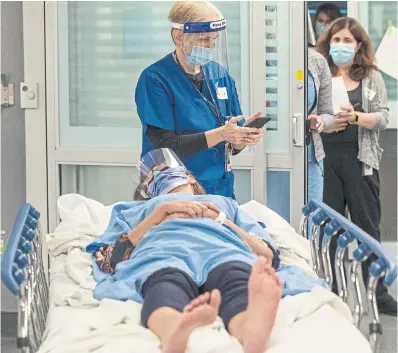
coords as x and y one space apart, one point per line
193 245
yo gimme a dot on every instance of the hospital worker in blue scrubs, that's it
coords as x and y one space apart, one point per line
187 101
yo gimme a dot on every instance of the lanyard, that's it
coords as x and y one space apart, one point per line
213 107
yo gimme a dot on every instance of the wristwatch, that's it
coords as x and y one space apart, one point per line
356 119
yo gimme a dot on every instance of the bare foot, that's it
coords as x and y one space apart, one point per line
265 291
201 311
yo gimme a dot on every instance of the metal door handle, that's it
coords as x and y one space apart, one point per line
298 130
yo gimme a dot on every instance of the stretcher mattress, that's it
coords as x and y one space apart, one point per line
309 322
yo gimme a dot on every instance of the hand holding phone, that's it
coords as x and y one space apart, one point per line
258 123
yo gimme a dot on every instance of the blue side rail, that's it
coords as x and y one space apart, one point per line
368 243
345 232
18 247
22 271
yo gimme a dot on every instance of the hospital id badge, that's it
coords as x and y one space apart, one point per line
366 170
222 92
228 157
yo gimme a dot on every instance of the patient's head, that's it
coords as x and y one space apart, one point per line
162 172
165 180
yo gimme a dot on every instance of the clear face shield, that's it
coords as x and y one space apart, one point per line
205 46
160 171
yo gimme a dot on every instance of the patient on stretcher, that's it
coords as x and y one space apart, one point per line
188 257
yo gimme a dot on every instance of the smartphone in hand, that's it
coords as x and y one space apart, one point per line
257 123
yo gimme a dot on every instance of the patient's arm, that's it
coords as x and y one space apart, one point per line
185 209
259 248
136 234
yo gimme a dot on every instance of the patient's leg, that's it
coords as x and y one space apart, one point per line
253 327
173 308
250 297
174 328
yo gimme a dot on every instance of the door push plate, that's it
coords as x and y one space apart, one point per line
298 130
29 98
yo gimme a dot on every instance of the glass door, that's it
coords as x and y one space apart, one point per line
283 88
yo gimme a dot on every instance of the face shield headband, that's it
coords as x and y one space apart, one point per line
204 43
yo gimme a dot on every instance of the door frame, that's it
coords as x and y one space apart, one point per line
298 104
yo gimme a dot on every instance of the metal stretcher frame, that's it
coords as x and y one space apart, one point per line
23 271
335 225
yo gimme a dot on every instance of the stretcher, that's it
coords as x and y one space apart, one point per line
24 275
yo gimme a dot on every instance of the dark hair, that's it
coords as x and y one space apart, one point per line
363 61
330 9
197 188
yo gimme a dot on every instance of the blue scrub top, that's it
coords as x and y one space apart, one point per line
167 99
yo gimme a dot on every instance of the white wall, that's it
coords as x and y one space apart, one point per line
13 176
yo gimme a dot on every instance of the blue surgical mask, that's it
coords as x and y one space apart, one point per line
166 180
342 54
319 28
200 55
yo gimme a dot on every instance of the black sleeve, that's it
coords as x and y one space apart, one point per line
182 145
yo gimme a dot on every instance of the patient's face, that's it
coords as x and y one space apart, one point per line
182 188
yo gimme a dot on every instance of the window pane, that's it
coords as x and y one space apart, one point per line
277 80
278 193
106 184
379 14
243 185
110 44
110 184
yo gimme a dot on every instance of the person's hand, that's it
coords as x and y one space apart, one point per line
316 123
339 124
209 213
234 133
190 208
342 118
347 112
269 256
253 117
176 215
254 138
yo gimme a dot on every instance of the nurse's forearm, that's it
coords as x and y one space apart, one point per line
182 145
214 137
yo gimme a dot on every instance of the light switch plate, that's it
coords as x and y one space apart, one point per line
29 92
